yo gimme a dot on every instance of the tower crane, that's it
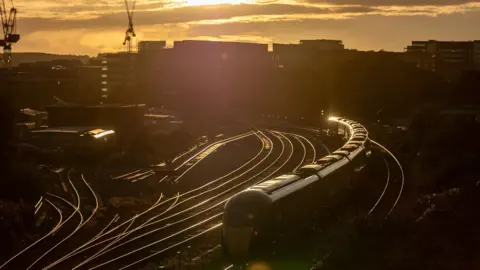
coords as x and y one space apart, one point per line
130 33
10 36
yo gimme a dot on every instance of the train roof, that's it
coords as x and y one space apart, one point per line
332 167
333 156
354 153
341 153
312 167
361 138
290 186
283 185
286 190
309 169
350 147
276 183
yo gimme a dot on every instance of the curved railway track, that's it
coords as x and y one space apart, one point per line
394 183
215 208
168 223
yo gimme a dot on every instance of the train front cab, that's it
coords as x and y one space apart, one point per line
245 217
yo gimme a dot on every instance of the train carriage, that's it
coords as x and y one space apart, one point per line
257 216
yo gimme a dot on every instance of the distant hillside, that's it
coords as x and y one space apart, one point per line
18 58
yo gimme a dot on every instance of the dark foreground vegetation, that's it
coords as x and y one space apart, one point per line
435 225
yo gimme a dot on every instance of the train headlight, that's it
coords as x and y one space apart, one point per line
333 118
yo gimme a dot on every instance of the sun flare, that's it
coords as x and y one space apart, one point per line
215 2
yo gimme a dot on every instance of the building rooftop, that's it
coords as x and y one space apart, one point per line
95 132
96 106
72 130
320 40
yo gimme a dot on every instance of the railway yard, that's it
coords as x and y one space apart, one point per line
140 219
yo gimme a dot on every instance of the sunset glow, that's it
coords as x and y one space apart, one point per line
362 24
216 2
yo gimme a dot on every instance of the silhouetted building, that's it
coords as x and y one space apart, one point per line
53 64
448 58
118 77
89 141
95 61
322 44
476 54
89 85
197 66
35 84
239 54
126 120
155 78
151 46
307 53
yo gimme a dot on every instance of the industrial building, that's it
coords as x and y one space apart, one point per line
79 140
447 58
126 120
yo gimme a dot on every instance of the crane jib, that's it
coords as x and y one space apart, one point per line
130 33
10 36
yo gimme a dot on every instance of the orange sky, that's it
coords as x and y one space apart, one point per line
90 27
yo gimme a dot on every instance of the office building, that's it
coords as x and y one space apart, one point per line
447 58
118 75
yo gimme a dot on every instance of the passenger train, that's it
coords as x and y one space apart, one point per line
258 214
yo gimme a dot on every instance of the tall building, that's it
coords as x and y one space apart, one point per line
447 58
154 75
118 77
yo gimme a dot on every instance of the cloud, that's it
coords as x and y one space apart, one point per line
88 26
397 2
182 14
372 32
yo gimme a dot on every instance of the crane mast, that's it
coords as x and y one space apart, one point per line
130 33
10 36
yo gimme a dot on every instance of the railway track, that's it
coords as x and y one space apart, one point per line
202 209
385 195
116 232
167 224
394 183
